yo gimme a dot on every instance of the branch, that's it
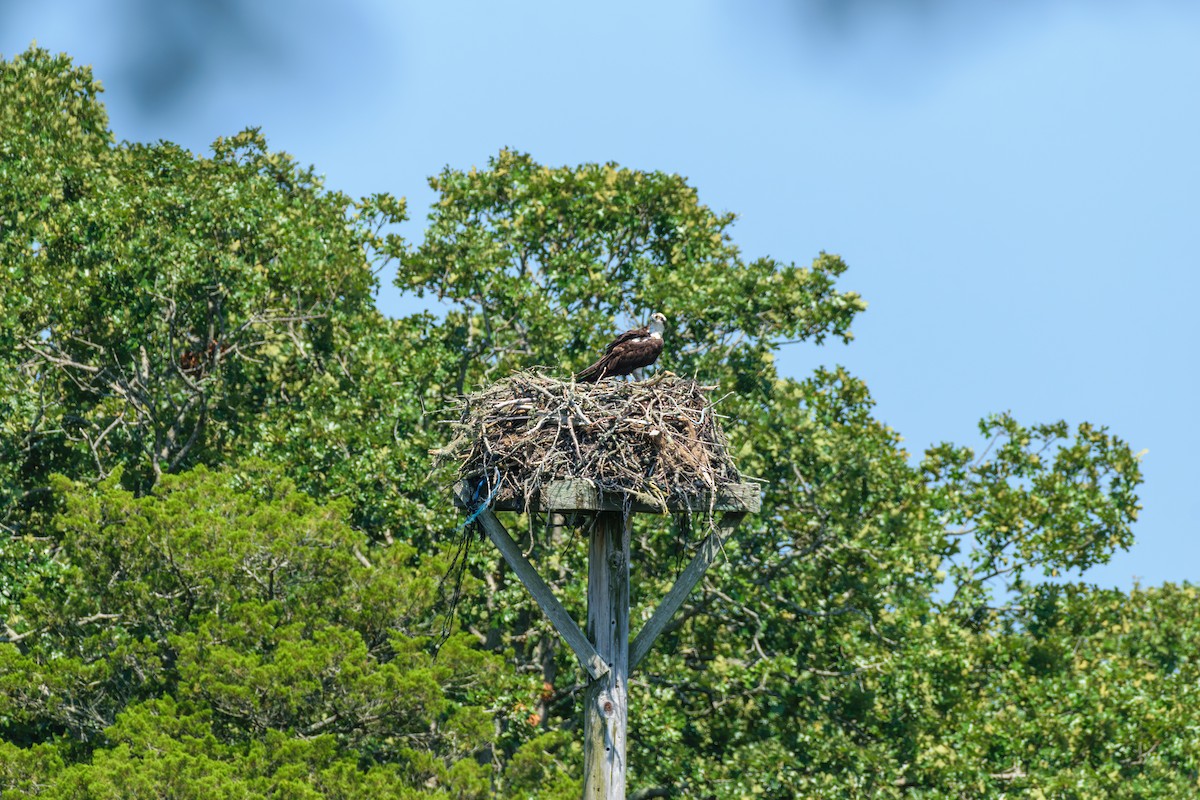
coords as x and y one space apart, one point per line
182 453
12 637
973 581
837 612
361 558
320 725
845 673
1011 774
61 361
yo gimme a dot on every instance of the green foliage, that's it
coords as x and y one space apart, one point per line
53 132
158 306
1073 692
359 431
242 627
1035 497
222 549
538 262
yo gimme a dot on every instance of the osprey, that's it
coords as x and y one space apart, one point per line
631 350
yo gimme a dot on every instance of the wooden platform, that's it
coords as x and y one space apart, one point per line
582 495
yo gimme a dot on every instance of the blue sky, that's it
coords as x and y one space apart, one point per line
1015 185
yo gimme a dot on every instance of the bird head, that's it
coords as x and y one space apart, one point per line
658 323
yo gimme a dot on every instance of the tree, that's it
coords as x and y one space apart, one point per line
159 306
234 586
537 263
162 312
810 615
225 613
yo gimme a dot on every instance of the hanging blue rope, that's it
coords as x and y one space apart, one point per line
487 501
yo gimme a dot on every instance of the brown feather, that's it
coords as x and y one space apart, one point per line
630 351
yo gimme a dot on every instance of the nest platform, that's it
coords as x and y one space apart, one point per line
534 443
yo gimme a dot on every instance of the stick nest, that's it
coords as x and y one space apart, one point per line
655 440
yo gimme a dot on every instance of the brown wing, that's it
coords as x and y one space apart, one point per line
623 357
641 354
625 337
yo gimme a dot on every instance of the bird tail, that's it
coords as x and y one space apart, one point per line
593 373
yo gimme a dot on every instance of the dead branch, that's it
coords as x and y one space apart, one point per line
654 439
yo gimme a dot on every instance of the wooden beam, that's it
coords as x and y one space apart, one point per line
577 494
563 623
683 586
606 699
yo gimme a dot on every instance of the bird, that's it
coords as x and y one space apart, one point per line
630 351
201 357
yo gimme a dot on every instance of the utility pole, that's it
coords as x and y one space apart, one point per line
606 651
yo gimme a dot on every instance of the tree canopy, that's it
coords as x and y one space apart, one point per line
224 538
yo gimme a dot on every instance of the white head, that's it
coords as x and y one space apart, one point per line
658 323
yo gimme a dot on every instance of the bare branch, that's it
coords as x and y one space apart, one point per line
846 673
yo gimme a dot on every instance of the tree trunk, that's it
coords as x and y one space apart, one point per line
605 708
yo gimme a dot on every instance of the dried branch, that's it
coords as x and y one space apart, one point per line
654 439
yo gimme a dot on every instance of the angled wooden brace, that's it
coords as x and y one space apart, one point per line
687 581
563 623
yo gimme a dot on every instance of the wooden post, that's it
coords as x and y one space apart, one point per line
605 704
605 651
